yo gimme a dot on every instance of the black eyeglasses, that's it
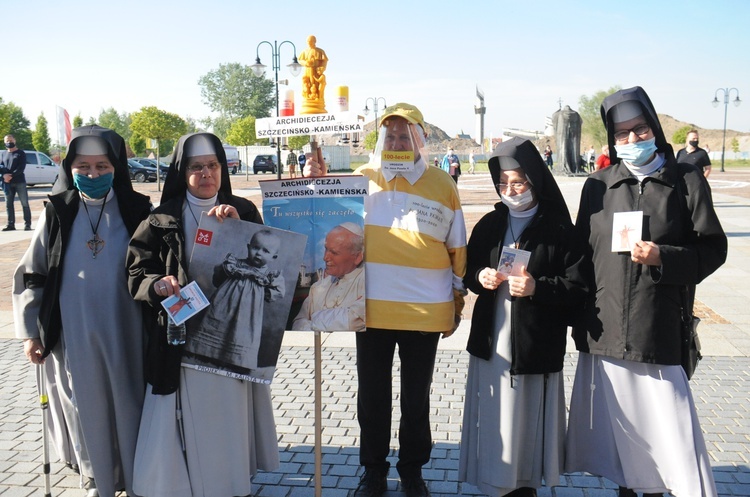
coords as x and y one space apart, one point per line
640 130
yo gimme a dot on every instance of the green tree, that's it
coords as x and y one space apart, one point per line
13 122
192 125
137 144
219 125
370 141
234 91
679 136
159 125
91 121
40 136
4 118
77 121
242 132
735 144
297 142
589 108
120 123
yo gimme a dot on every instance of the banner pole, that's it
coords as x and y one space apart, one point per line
318 417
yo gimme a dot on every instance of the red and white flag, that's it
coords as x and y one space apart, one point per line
63 126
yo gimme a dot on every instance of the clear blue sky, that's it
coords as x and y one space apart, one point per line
89 55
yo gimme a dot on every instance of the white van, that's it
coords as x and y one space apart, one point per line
233 159
40 169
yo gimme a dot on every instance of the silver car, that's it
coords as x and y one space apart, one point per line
40 169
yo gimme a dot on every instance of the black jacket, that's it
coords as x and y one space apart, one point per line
157 249
538 323
14 163
635 311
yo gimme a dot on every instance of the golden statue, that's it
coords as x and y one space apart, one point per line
315 61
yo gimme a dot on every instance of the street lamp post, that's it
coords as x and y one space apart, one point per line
366 110
715 103
258 69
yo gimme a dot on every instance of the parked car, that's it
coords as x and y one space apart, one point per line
40 169
140 173
233 159
264 163
144 161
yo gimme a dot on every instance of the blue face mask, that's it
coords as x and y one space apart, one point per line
93 187
637 153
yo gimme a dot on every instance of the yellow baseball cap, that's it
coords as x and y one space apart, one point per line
407 111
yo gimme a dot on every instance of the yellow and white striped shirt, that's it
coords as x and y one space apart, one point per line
415 250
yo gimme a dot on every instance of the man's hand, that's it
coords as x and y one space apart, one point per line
314 165
7 177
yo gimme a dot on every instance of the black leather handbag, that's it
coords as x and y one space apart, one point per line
691 345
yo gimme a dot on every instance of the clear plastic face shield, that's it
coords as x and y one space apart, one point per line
400 145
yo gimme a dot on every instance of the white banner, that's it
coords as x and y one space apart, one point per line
308 124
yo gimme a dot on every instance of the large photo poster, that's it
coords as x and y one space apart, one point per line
330 286
247 271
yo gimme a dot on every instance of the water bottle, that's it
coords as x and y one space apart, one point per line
175 333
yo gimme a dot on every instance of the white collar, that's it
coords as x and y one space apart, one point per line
201 202
524 214
641 172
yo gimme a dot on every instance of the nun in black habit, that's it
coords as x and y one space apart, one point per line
518 329
226 430
632 415
72 307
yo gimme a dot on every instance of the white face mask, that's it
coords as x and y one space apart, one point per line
519 202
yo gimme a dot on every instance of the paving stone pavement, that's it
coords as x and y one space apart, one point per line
721 386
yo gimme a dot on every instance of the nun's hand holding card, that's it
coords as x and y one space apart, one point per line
627 229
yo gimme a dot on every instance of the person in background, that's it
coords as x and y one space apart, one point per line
12 166
591 158
632 415
291 163
514 416
201 434
451 165
414 295
472 162
693 154
602 162
548 156
71 305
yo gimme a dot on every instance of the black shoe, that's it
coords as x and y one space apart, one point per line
522 492
626 492
372 484
10 227
414 487
27 228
